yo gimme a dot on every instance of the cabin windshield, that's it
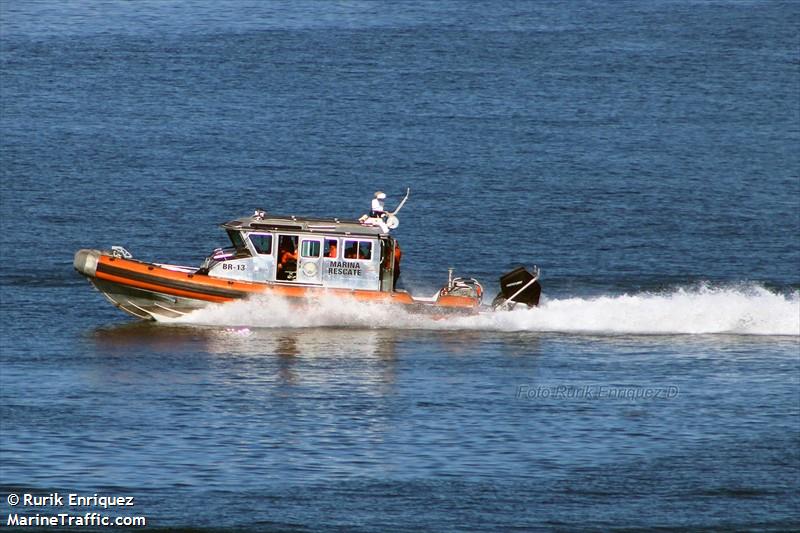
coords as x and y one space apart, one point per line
236 240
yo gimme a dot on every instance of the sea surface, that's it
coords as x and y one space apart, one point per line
645 155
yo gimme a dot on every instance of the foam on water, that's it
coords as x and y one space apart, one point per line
744 310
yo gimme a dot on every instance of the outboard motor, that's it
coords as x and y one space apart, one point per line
518 286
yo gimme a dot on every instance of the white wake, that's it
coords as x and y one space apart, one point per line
750 310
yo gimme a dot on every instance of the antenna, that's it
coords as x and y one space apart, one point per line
399 207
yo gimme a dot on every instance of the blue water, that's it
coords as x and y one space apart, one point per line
644 154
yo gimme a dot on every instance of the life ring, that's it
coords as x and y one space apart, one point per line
310 269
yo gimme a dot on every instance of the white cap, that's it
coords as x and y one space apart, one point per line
380 195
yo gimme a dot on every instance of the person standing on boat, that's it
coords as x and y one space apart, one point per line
287 259
398 254
378 205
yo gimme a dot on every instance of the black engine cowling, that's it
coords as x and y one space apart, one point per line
518 286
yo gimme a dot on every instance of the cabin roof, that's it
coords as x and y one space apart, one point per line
271 222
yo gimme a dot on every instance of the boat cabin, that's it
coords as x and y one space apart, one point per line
332 253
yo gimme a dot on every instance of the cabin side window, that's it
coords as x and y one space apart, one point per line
364 250
262 243
331 248
310 249
358 250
